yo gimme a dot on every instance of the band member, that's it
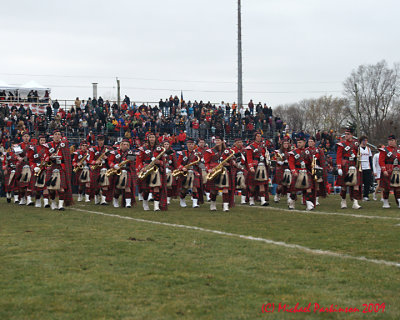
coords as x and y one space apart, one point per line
258 158
282 176
219 163
151 173
366 166
377 172
389 161
171 163
59 173
24 172
190 179
321 170
37 159
99 165
122 172
240 168
9 167
300 162
349 173
201 149
81 168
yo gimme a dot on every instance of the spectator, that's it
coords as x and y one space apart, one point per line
251 107
56 106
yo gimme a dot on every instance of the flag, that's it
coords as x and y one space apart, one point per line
37 109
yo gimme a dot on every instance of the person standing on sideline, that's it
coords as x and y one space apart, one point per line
366 166
389 159
377 171
349 175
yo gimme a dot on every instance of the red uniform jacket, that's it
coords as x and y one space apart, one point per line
213 157
346 151
117 156
96 152
186 157
146 154
387 158
78 156
300 159
256 153
37 154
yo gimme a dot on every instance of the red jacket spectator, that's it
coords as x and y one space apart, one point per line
182 137
195 124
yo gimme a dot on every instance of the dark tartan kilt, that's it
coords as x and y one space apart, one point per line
94 178
143 184
207 186
232 182
33 182
345 168
13 186
250 181
63 181
322 192
130 181
174 183
18 175
76 180
278 176
385 181
196 181
294 179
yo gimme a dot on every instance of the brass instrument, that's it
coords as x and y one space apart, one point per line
151 167
42 166
267 158
279 155
314 167
95 166
79 166
178 172
358 165
216 171
112 171
316 171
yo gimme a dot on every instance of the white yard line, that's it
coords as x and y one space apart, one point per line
277 243
324 213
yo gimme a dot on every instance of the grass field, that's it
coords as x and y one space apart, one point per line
82 265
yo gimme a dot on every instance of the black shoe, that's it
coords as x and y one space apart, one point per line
61 209
8 200
266 204
47 206
31 204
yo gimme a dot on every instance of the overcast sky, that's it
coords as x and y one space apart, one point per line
292 49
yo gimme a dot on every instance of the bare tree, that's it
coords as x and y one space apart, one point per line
378 90
324 113
292 114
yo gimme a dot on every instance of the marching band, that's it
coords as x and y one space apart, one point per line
104 174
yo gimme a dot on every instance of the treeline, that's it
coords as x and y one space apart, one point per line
370 99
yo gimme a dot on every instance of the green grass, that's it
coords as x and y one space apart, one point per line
79 265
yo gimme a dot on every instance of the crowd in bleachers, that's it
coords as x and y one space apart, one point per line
172 116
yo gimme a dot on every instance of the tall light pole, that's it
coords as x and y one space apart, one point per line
240 86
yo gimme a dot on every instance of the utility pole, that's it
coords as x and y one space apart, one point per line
118 92
358 131
94 90
240 86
